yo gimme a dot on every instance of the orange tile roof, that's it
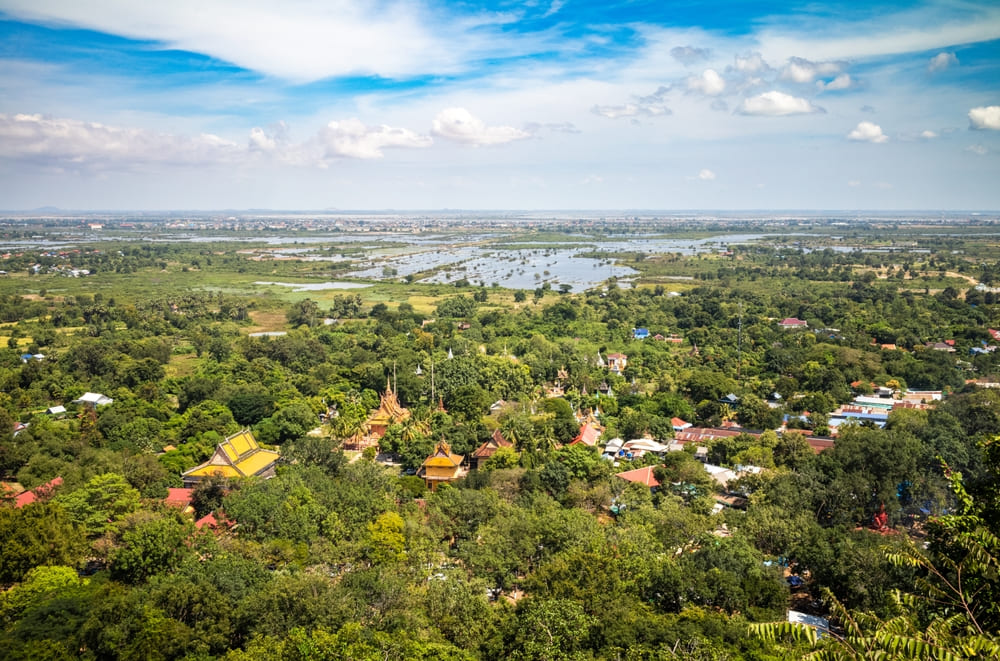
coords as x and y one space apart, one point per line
642 475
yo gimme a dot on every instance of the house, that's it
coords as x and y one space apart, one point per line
180 498
941 346
640 333
720 474
678 424
731 399
57 411
642 475
93 399
238 456
617 362
489 448
441 467
995 334
588 435
792 322
638 447
41 492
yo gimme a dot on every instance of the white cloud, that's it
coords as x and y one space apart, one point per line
841 82
296 40
985 117
709 83
460 125
801 70
942 61
854 183
71 144
706 175
868 132
74 145
751 63
928 135
979 149
919 29
776 104
351 138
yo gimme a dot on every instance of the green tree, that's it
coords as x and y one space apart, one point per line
101 504
150 545
35 535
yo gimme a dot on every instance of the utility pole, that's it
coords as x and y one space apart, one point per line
739 349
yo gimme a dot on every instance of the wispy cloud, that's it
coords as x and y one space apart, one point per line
942 61
650 105
295 40
689 55
841 82
801 70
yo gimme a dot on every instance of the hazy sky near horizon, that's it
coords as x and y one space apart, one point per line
547 104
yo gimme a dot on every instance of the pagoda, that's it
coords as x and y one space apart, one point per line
388 413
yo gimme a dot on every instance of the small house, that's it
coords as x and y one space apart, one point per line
489 448
642 475
441 467
93 399
792 322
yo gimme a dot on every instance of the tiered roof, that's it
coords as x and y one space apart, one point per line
389 409
443 457
238 456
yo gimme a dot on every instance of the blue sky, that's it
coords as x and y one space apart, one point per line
555 104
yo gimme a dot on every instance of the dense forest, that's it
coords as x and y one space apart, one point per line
540 552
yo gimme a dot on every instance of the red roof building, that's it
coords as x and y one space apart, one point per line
489 448
588 435
642 475
179 497
41 492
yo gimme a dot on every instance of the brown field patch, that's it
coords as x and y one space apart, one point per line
266 320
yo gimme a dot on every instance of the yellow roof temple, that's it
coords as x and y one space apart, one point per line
238 456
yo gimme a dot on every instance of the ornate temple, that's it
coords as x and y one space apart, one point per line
389 412
237 456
